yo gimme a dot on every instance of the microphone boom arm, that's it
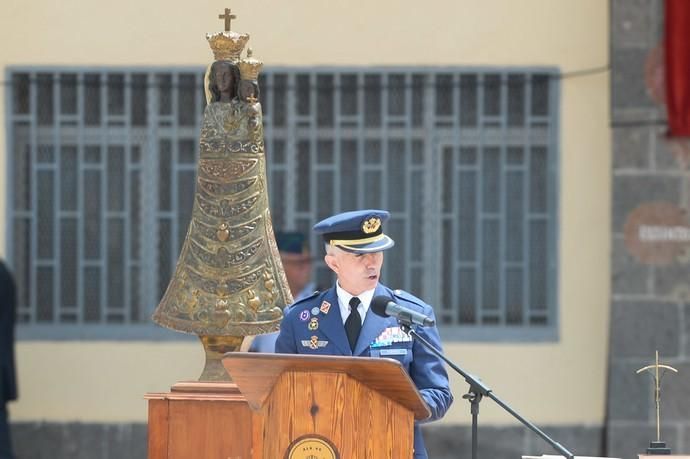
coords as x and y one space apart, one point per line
477 391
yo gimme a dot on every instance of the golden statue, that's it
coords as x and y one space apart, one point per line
229 281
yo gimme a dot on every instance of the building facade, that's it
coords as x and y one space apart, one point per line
485 130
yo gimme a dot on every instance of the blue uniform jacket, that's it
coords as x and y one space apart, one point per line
379 337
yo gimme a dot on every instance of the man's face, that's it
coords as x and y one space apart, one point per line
356 272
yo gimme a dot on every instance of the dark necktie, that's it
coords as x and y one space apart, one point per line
353 324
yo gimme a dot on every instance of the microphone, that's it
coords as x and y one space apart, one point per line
385 307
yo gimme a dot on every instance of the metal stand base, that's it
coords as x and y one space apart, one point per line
658 447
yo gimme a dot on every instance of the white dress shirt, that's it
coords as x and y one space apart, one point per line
344 302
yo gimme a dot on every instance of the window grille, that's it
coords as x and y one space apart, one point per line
102 163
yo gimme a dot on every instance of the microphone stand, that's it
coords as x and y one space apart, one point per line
479 390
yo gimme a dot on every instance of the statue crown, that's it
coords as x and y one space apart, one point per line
227 46
250 67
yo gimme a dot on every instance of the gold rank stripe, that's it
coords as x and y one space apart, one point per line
349 242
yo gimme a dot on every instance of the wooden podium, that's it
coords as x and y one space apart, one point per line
290 406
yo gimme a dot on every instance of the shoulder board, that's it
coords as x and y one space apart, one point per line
306 298
402 294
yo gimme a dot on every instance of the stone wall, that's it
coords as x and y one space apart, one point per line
650 305
128 441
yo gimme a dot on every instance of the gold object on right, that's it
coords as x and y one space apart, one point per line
229 281
657 376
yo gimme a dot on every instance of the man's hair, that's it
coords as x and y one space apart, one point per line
331 249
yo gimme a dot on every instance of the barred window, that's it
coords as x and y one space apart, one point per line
102 169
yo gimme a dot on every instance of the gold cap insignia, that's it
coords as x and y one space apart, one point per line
371 225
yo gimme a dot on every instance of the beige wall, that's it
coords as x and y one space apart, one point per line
573 35
555 383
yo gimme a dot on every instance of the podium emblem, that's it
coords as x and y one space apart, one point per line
312 447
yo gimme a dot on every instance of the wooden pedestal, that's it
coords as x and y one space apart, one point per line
290 406
199 420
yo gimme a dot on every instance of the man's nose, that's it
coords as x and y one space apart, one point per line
369 260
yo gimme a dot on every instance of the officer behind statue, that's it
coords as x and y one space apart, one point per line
293 247
354 251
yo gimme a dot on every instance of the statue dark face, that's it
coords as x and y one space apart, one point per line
224 80
247 91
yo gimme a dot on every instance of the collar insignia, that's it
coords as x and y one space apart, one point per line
325 307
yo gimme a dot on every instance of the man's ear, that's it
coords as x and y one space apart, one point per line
331 262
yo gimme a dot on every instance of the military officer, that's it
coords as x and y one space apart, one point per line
338 321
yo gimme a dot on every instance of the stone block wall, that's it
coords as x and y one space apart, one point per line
41 440
650 304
